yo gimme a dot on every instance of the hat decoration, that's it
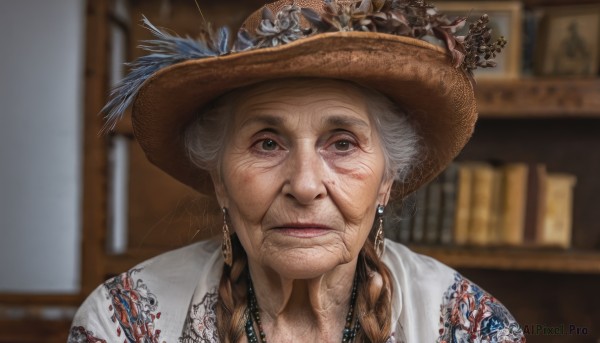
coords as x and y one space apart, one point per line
409 18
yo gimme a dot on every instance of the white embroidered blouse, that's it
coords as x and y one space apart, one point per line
171 298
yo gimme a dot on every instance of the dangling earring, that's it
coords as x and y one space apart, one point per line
226 245
379 237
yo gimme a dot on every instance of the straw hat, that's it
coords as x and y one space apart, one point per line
376 43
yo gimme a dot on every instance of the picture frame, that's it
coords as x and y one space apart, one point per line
505 20
568 42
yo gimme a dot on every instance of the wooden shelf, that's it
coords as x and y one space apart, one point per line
539 98
28 299
31 330
515 259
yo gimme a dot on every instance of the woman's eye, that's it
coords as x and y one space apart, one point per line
269 145
343 145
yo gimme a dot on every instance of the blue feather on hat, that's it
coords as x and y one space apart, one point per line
165 51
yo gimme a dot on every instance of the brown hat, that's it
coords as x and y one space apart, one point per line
376 43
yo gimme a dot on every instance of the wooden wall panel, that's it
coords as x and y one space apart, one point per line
34 331
95 146
163 213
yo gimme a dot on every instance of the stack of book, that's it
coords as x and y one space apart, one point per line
475 203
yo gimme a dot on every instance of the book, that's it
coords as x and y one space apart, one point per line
557 220
407 214
535 204
418 232
463 204
432 219
531 22
481 203
514 199
448 211
496 208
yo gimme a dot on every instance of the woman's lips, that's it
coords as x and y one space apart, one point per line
303 231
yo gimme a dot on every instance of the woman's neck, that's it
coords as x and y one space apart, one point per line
313 308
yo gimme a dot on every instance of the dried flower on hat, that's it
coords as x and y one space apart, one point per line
280 29
411 18
478 43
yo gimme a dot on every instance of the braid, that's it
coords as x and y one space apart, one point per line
232 303
373 301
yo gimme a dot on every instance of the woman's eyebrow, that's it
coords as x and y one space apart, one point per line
333 120
263 119
345 121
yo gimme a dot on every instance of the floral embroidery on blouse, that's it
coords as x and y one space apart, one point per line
469 314
79 334
133 307
201 323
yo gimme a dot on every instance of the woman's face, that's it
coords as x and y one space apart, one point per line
302 175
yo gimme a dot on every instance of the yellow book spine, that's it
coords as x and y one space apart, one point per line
514 200
463 205
481 204
557 223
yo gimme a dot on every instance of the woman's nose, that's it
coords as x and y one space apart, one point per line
305 176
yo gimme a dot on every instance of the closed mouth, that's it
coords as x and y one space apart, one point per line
303 230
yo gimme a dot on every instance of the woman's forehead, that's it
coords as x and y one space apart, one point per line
299 95
343 91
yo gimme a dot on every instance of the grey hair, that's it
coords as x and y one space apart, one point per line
205 137
398 135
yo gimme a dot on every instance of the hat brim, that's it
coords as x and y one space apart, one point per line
415 74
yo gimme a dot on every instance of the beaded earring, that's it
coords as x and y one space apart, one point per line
379 237
226 245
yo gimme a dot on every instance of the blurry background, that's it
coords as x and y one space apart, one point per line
40 144
518 213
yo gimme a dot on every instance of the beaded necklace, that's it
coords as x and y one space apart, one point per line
348 334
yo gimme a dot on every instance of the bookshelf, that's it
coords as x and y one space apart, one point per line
554 121
515 259
541 98
550 120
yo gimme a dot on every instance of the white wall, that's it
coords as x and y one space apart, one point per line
41 87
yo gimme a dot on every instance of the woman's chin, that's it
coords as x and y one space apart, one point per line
305 262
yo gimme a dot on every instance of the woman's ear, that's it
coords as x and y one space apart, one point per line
385 191
220 189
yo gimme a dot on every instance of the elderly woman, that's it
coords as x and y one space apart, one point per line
319 115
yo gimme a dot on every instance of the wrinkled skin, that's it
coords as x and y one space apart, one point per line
301 177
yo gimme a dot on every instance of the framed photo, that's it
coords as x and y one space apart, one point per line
505 20
568 41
